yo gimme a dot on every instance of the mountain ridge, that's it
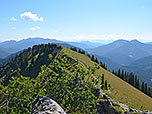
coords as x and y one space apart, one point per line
30 60
12 46
122 51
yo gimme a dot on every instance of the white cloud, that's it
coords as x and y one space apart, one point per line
30 16
13 19
35 28
13 28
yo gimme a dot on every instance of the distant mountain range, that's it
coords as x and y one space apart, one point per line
123 52
3 52
50 67
85 44
12 46
132 56
15 46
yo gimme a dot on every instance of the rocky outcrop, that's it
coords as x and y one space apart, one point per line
104 108
45 105
108 105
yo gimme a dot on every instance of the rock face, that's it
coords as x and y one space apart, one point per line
104 108
107 105
45 105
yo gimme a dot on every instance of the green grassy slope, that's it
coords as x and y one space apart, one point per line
28 63
120 90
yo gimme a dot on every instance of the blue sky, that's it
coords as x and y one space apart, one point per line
74 20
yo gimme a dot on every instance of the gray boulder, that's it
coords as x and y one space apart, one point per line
45 105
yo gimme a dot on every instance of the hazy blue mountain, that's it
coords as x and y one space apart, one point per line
8 44
4 61
9 49
102 50
85 44
143 68
15 46
148 43
67 45
3 52
7 59
110 63
122 51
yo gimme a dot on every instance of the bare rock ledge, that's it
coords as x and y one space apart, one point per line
45 105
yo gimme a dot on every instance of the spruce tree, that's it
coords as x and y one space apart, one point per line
96 60
102 79
143 87
118 72
146 88
106 85
122 74
149 91
92 58
88 55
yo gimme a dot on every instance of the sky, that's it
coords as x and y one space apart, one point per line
76 20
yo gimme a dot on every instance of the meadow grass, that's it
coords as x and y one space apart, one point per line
121 91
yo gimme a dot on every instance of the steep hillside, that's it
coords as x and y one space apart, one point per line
67 63
28 62
123 52
120 91
63 79
142 68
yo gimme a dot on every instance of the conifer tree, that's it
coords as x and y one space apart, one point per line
149 89
96 60
146 88
118 72
106 85
122 74
92 58
113 71
88 55
102 79
143 87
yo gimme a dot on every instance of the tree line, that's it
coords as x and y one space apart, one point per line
126 76
92 57
133 80
70 89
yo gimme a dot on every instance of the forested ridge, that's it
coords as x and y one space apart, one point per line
61 79
50 70
134 81
29 61
129 77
